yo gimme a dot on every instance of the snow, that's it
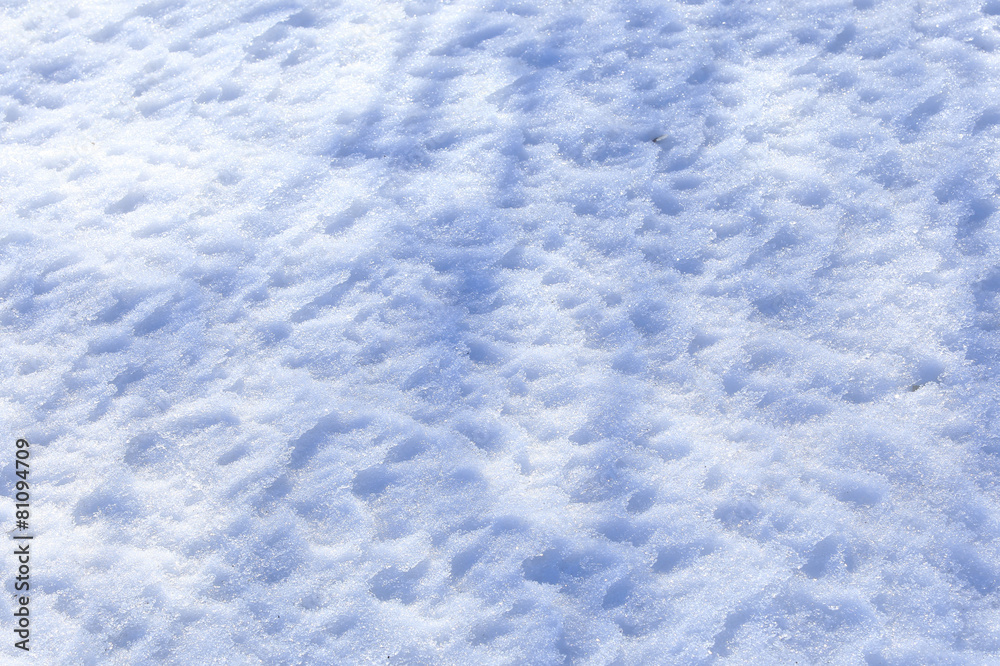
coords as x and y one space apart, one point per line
353 332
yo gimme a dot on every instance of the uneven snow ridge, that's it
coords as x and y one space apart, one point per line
384 333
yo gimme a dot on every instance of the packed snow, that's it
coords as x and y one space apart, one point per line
503 332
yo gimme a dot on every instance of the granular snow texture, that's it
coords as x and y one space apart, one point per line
359 332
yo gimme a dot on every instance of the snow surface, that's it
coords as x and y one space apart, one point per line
351 332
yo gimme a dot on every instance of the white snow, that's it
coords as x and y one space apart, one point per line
360 332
